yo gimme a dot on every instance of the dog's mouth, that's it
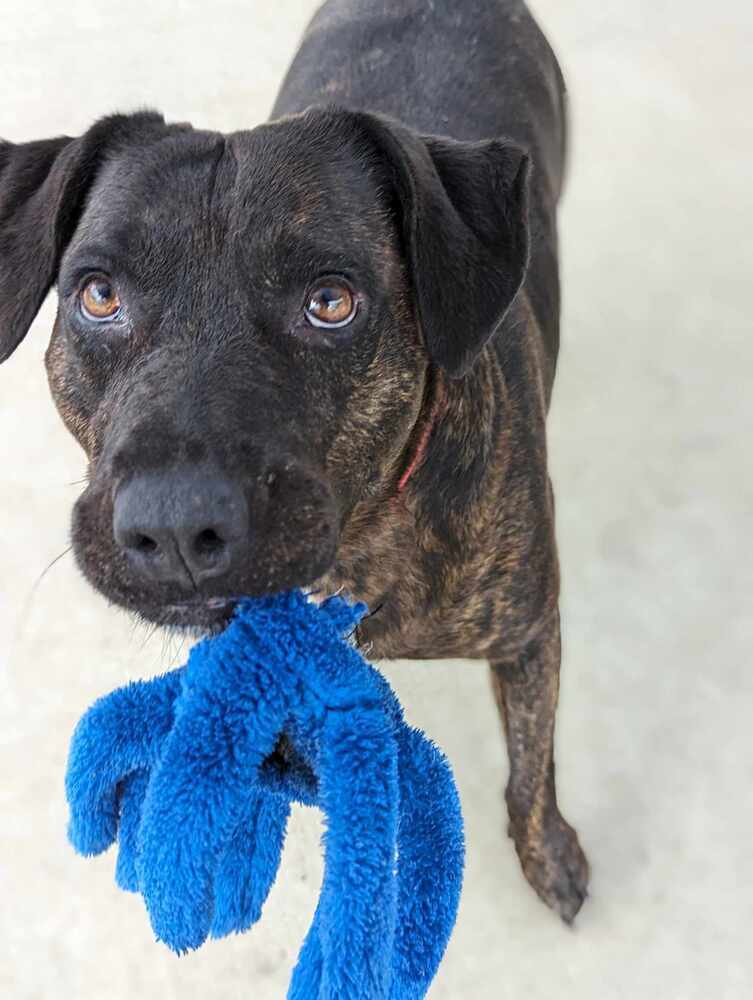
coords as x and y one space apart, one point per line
198 615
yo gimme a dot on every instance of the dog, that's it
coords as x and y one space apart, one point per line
320 354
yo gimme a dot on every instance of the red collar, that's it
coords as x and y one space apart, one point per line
424 435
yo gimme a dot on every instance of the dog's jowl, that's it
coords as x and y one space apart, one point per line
320 353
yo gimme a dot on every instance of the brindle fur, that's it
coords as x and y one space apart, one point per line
462 561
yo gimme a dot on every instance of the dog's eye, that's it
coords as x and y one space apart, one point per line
98 298
331 305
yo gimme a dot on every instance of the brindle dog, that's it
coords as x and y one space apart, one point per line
320 353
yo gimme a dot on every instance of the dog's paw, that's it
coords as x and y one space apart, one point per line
553 862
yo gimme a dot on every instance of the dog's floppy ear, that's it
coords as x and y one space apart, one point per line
43 189
463 210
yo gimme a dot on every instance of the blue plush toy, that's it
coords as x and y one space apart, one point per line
194 772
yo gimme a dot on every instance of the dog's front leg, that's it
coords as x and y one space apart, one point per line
526 689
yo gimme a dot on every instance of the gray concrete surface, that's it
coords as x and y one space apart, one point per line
655 493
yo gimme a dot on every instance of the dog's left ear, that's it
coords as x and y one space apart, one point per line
43 189
463 210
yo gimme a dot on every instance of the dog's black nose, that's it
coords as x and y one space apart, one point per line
185 526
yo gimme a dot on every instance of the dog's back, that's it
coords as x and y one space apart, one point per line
469 69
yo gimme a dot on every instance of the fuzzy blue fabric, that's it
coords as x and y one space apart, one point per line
194 773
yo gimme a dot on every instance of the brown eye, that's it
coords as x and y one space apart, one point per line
99 300
331 305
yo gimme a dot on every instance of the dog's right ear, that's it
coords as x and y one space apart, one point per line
43 190
462 211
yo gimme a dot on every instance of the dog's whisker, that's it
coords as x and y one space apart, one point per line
140 629
49 566
26 607
151 629
374 611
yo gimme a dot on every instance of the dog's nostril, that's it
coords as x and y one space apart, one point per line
182 527
146 545
208 542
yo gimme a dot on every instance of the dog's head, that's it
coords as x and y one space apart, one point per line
245 330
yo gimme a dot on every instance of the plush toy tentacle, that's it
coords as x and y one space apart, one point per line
121 733
358 905
131 794
430 863
249 866
429 876
307 975
226 722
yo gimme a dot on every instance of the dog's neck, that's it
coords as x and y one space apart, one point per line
438 561
419 547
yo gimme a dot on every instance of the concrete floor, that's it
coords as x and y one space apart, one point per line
655 495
